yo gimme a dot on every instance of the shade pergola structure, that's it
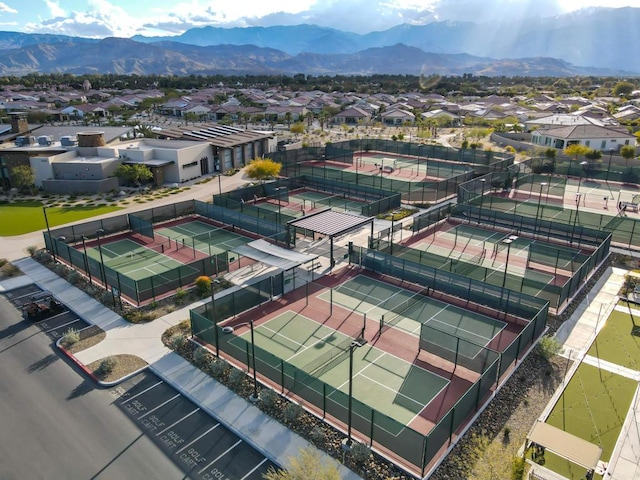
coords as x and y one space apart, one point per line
272 255
331 224
565 445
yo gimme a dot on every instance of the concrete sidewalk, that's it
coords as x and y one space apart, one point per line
144 340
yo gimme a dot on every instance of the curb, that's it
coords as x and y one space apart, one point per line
90 374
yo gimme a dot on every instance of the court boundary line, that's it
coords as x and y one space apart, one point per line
382 354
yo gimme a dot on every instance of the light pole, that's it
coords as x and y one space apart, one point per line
582 164
542 185
219 184
578 195
253 398
609 166
46 221
357 343
507 241
102 271
482 181
86 259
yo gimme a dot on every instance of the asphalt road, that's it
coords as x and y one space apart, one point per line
54 423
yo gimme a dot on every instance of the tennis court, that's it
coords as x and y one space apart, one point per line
203 237
419 166
561 256
134 260
408 310
312 200
389 384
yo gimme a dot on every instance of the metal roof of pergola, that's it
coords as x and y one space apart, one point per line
565 445
331 223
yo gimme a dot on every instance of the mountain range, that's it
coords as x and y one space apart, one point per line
596 42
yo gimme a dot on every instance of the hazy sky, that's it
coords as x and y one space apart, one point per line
124 18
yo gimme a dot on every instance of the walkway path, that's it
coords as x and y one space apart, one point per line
144 340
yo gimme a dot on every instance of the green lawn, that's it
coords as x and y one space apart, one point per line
24 217
593 407
615 342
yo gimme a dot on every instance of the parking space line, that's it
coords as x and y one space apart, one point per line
63 325
254 468
199 437
221 455
142 392
161 405
178 421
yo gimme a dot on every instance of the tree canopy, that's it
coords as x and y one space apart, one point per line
134 173
262 169
22 177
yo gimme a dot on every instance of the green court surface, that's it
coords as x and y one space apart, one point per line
422 166
593 407
132 259
319 199
204 237
553 255
384 382
619 340
407 311
282 208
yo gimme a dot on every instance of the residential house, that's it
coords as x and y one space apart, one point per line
592 136
397 116
352 116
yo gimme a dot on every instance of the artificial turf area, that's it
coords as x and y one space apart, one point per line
619 341
24 217
593 407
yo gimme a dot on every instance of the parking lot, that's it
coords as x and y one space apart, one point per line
200 445
56 325
197 443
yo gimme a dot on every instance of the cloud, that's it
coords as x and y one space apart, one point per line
101 19
55 9
4 8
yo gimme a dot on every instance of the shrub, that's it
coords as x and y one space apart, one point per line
32 249
9 270
292 412
139 316
317 435
180 295
43 257
107 366
218 367
74 278
236 379
548 347
517 468
360 453
506 432
106 298
60 270
203 284
177 341
71 337
269 398
201 357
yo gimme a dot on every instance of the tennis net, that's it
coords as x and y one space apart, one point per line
328 360
403 308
